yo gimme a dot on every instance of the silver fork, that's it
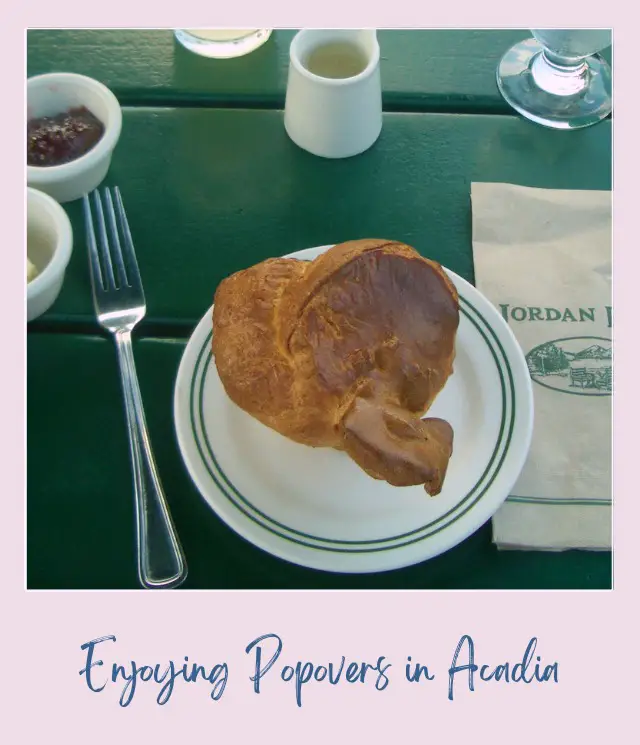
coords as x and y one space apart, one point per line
119 303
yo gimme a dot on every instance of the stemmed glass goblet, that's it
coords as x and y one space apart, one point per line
558 79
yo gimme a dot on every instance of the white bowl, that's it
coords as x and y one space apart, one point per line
55 93
49 243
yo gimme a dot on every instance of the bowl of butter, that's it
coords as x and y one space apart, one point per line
49 244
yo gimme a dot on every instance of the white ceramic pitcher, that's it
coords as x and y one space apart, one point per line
333 117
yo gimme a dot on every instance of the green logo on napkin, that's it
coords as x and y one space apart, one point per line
577 364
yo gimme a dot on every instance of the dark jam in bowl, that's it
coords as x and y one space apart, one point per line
54 140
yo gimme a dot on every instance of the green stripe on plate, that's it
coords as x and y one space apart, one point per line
560 501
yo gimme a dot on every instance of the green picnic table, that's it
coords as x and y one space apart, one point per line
212 184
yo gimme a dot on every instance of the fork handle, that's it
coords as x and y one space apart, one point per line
161 561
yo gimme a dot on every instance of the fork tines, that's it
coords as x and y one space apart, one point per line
114 247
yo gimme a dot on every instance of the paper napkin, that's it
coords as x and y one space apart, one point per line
543 258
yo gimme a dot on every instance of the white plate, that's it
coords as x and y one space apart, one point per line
315 506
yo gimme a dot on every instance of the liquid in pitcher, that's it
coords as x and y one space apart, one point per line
336 59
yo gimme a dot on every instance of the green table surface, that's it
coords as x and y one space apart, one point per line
212 184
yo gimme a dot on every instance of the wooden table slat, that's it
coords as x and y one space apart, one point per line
80 499
209 192
420 69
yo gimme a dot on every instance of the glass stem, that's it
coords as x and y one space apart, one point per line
560 76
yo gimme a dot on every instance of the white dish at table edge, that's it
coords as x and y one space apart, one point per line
314 506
